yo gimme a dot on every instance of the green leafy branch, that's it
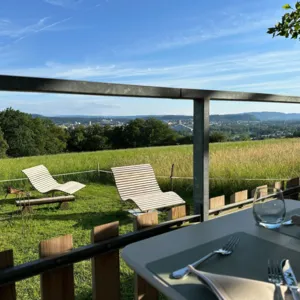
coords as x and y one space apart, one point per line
290 23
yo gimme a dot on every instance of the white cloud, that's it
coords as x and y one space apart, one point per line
50 104
269 72
218 71
232 25
63 3
18 31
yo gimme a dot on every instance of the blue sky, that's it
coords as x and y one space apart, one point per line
213 44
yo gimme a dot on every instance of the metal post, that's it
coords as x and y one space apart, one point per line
201 157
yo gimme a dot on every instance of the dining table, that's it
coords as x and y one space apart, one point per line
155 258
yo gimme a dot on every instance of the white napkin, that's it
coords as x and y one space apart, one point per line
236 288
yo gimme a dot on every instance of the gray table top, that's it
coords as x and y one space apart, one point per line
139 254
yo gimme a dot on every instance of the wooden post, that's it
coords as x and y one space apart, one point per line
201 157
177 212
106 267
171 176
7 292
279 185
216 202
292 183
143 290
239 196
264 189
57 284
98 169
145 220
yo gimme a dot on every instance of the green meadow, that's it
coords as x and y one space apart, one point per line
98 203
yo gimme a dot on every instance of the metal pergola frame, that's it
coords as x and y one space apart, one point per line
200 97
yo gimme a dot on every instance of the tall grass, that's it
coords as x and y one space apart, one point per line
229 162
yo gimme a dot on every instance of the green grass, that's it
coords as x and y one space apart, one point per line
230 161
95 205
99 203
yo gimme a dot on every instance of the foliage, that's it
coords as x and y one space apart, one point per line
27 136
23 234
3 145
232 161
289 26
98 204
95 205
217 137
145 133
136 133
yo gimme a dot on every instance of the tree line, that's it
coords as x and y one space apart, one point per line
22 134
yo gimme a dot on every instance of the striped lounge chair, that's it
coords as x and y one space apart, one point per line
138 183
42 181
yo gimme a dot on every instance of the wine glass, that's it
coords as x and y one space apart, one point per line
269 207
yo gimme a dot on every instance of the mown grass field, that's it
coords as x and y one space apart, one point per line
99 203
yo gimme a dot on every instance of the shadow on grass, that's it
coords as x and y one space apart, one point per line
89 219
126 289
8 201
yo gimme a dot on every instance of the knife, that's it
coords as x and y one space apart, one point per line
290 278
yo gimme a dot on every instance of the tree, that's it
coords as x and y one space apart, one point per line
77 139
244 137
95 138
27 136
56 138
290 23
185 140
146 133
158 133
134 134
116 137
217 137
3 145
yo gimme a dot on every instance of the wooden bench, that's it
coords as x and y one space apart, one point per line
62 200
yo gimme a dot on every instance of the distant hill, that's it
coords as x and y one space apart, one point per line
269 116
252 116
256 116
233 118
86 119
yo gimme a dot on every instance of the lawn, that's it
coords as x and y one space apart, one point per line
95 205
99 202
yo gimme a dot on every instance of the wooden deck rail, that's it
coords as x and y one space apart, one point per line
12 274
57 256
291 192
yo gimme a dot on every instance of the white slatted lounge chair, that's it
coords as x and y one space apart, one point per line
138 183
42 181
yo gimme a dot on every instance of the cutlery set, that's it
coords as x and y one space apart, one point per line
279 273
227 249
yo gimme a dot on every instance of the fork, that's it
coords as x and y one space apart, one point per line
275 276
227 249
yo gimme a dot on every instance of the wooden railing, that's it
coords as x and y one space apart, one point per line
240 199
57 256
